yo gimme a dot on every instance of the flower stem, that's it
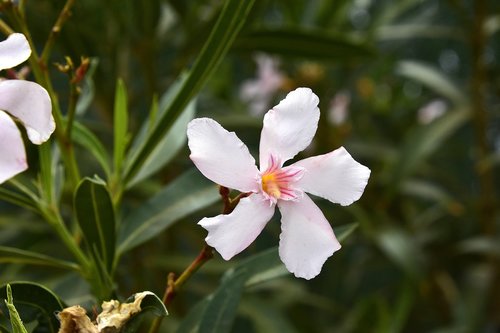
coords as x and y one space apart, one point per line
173 284
206 253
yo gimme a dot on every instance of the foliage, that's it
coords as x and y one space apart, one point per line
110 204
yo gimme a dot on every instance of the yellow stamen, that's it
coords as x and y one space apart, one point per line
270 185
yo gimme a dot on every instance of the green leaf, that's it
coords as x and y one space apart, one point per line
94 211
343 232
433 79
191 323
226 29
185 195
14 255
402 248
171 143
219 309
267 265
223 304
487 246
120 118
421 143
15 320
404 32
85 138
266 318
18 199
310 44
168 147
87 88
35 303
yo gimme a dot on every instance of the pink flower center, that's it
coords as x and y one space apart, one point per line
277 183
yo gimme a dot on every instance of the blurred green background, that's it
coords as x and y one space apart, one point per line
411 88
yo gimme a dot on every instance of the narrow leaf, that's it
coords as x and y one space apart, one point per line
120 124
267 265
266 317
87 88
95 214
85 138
310 44
219 309
18 199
185 195
40 303
421 143
404 32
226 29
13 255
15 319
403 249
433 79
173 140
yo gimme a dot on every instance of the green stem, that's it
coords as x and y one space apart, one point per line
73 98
22 5
39 68
55 220
5 29
45 156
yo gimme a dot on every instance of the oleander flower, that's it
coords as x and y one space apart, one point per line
259 92
306 239
25 101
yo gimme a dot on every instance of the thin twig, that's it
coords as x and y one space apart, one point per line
56 29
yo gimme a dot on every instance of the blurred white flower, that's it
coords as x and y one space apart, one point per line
258 92
306 239
27 102
431 111
339 107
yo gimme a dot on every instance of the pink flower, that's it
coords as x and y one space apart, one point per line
306 239
259 92
28 102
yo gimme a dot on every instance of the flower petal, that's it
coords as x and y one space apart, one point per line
12 154
306 239
230 234
14 50
30 103
289 127
335 176
221 156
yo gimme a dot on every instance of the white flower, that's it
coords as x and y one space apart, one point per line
28 102
307 238
259 92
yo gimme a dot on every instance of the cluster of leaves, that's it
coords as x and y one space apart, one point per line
423 256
